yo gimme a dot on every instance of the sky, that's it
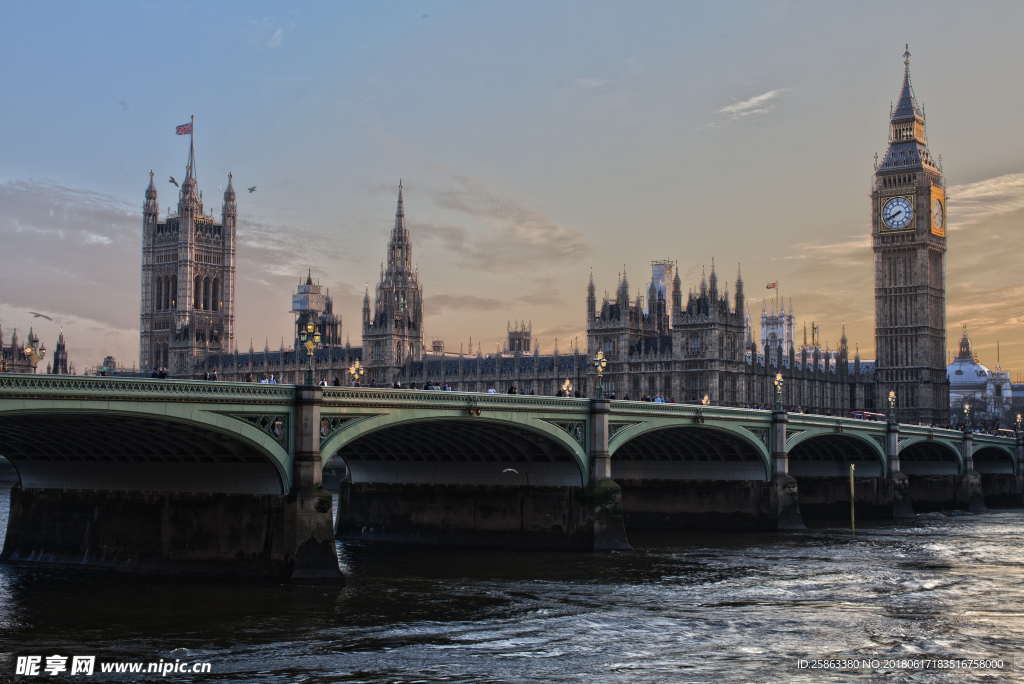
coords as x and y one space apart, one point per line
538 141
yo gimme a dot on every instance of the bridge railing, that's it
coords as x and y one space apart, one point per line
623 406
18 386
443 398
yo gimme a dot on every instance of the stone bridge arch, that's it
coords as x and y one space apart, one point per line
688 451
994 459
998 470
936 471
691 475
820 453
923 456
820 460
413 447
145 446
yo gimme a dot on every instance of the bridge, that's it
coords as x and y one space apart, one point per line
199 477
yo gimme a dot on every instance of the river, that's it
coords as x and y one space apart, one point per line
729 607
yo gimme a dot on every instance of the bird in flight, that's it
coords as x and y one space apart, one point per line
174 182
39 315
252 189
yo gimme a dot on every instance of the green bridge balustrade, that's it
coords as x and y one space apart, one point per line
214 477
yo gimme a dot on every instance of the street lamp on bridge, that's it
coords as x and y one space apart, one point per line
892 406
778 383
600 363
967 416
567 388
310 339
1019 417
356 372
34 353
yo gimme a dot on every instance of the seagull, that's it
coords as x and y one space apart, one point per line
39 315
174 182
252 189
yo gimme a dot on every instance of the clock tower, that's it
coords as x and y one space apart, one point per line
908 231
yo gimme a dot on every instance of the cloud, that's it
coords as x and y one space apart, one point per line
507 237
590 83
275 39
435 305
854 248
753 106
542 299
974 203
565 331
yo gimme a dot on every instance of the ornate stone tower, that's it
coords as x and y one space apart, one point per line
312 302
60 357
519 337
908 229
188 279
394 334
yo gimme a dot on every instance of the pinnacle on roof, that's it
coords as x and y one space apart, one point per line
151 188
965 345
309 276
229 192
906 106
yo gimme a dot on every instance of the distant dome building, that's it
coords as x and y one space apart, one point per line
989 393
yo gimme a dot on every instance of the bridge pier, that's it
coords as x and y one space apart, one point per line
1018 464
784 498
970 494
309 538
898 482
604 495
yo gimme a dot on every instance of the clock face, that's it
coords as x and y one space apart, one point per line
938 219
897 212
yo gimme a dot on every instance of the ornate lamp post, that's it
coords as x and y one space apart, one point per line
600 363
567 388
1019 420
892 406
778 383
967 417
705 400
34 354
310 339
356 372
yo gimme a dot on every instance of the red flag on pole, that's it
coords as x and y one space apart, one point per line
772 285
184 129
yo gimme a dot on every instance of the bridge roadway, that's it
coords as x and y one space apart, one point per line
199 477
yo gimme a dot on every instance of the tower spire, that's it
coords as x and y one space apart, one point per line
151 209
190 200
906 105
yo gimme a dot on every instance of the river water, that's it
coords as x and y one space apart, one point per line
736 607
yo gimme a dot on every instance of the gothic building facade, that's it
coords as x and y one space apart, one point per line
697 347
188 279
